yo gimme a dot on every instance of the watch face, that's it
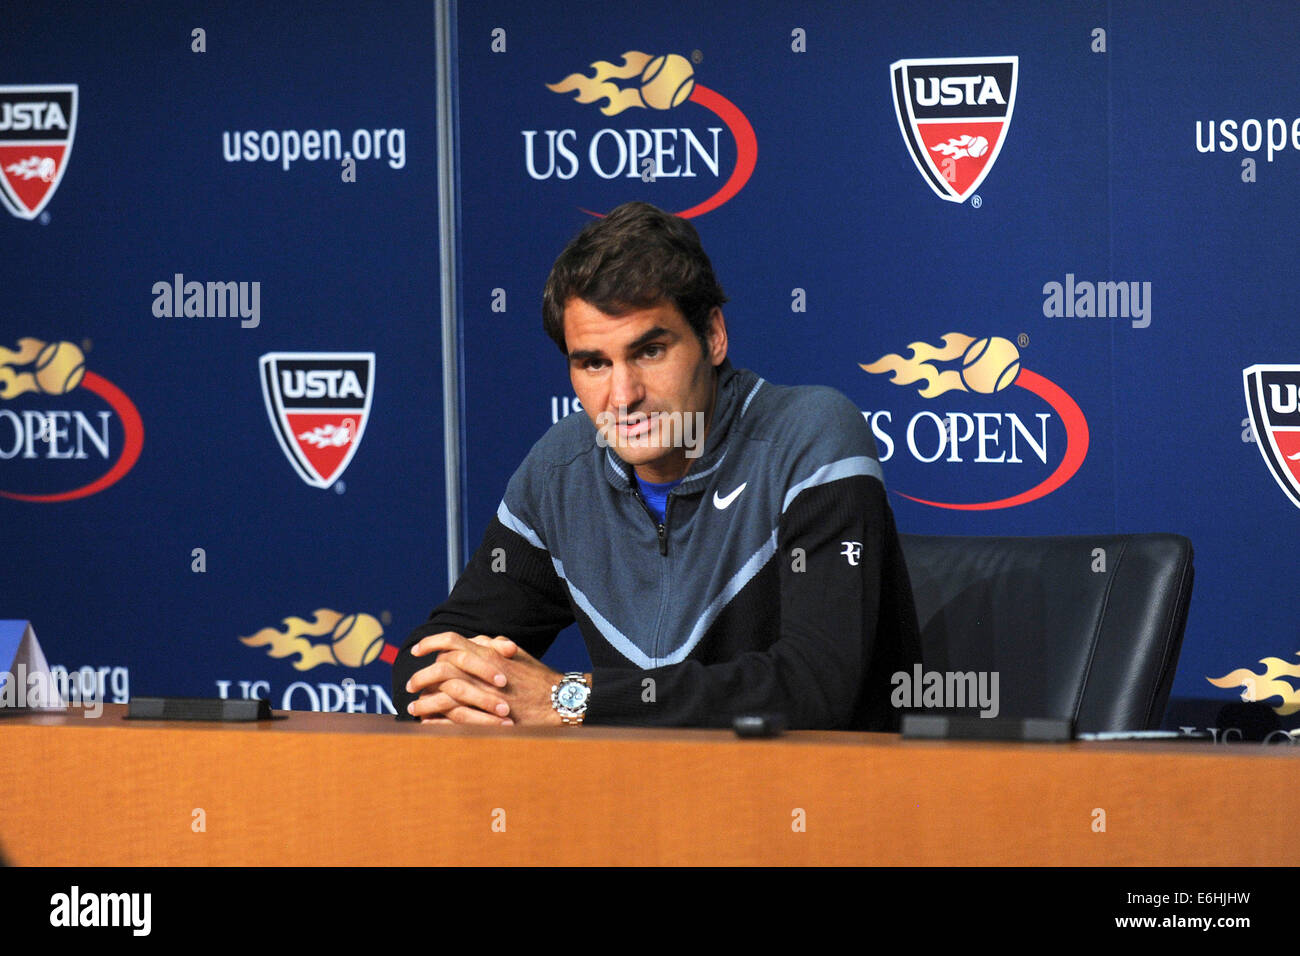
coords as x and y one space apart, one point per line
572 695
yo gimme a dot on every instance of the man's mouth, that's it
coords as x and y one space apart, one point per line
636 425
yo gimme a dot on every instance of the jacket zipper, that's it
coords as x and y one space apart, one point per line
661 527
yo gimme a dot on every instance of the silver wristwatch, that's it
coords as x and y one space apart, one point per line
569 697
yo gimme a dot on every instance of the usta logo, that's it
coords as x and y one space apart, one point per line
330 383
32 116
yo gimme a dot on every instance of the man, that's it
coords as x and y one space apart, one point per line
724 544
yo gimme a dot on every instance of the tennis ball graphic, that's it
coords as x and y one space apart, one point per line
990 365
358 639
666 81
59 368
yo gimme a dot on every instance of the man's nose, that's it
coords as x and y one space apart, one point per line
625 390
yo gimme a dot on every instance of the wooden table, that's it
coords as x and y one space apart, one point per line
354 789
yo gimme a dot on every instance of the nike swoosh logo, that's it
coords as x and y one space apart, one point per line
722 504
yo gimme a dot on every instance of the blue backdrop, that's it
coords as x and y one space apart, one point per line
1130 270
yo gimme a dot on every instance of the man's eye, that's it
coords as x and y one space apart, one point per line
653 351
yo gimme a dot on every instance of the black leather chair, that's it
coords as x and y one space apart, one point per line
1086 627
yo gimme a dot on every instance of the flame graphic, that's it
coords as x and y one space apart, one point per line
58 368
964 145
16 383
907 371
329 436
596 87
355 639
601 86
33 166
1266 685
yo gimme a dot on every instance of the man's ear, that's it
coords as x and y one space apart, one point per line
717 337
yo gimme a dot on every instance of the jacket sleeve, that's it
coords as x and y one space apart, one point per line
508 588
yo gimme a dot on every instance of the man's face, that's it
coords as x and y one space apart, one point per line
639 376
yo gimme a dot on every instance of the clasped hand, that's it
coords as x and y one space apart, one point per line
481 680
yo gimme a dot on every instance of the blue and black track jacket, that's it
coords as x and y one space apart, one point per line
775 584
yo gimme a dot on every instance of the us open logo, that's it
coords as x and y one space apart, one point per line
993 427
318 403
62 424
954 113
681 141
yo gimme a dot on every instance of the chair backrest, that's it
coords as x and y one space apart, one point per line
1084 626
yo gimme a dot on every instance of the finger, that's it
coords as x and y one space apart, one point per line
445 721
473 656
446 641
431 705
468 715
444 687
502 645
485 666
475 694
444 669
440 702
521 656
428 678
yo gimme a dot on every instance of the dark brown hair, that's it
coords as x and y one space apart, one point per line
634 258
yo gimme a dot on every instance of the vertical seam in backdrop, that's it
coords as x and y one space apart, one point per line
448 265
